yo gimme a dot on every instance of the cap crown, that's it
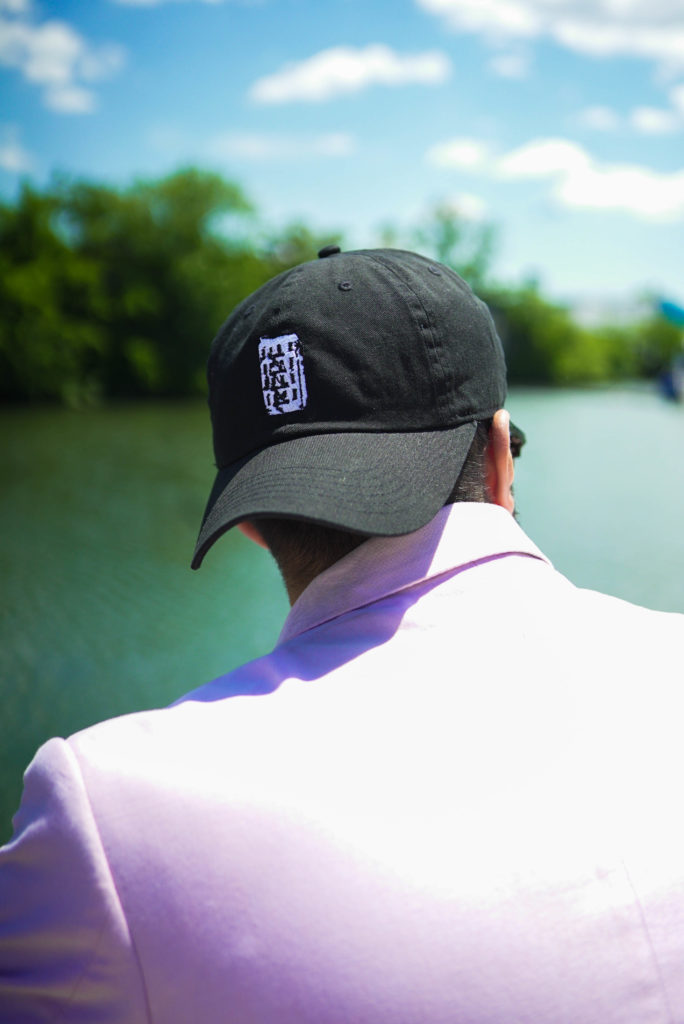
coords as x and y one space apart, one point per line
374 340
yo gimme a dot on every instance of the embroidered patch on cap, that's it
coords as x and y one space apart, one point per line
282 374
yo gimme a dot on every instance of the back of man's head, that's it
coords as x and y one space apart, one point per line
346 393
303 549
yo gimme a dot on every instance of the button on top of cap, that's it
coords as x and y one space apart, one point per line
328 250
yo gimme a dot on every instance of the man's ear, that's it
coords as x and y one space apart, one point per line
499 462
250 530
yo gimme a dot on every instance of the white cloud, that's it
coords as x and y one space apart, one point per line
643 119
661 43
468 206
54 56
15 6
343 69
653 121
652 29
70 99
460 152
498 18
600 119
13 157
542 158
648 194
510 65
659 121
579 180
280 147
583 182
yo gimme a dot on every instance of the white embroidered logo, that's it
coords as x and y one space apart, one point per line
282 374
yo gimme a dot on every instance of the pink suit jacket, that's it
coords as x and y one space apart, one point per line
450 795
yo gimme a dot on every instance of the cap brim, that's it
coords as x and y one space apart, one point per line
370 483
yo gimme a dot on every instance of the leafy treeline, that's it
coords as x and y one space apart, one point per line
545 345
110 292
113 293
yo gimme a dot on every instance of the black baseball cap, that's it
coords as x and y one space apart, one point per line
346 391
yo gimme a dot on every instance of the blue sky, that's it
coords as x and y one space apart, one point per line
560 121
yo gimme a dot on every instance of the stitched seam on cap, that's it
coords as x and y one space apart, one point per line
441 399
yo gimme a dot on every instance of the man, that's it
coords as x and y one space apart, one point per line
450 794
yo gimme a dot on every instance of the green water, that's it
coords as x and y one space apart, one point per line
100 509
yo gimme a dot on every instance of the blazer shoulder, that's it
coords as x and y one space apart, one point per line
65 946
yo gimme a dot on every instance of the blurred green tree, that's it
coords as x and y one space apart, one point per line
656 342
51 306
464 244
118 292
168 275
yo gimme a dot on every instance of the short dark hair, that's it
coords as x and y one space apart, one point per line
303 549
471 484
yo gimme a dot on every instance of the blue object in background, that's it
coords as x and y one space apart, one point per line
673 312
